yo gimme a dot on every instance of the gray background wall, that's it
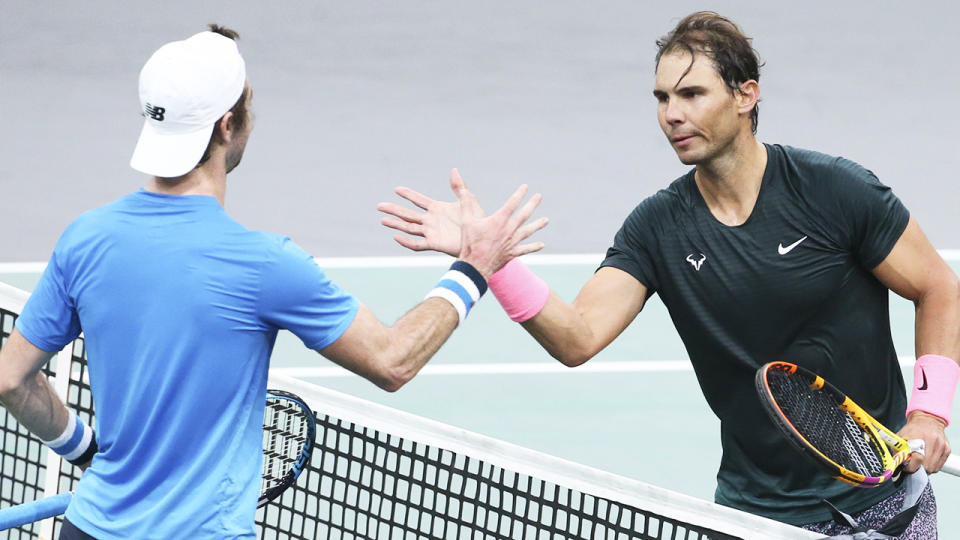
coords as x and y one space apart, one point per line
354 98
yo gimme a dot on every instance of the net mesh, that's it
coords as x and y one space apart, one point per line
369 483
817 416
24 464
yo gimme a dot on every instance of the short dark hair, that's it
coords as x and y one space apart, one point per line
723 42
239 119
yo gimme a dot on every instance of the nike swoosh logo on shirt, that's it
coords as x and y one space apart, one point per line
784 250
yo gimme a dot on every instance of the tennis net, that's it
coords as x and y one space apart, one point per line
379 473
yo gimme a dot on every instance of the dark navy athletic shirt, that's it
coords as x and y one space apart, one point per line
791 283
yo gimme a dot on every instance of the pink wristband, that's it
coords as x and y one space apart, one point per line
521 293
934 380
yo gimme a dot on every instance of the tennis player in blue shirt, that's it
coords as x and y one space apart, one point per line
180 306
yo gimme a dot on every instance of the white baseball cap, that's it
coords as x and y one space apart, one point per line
185 87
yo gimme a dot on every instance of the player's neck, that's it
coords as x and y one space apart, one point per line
207 179
730 182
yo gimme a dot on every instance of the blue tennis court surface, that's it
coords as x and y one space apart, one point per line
635 409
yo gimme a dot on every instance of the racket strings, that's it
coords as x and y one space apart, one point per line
818 418
284 432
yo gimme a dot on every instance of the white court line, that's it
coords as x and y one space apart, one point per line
22 268
505 368
414 261
528 368
405 261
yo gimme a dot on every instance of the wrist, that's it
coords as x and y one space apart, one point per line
521 292
462 286
934 381
923 416
468 257
77 443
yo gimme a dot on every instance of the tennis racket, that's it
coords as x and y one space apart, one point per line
289 430
829 428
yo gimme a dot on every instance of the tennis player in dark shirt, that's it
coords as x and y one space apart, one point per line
761 252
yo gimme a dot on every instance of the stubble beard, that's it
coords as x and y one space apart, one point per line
234 157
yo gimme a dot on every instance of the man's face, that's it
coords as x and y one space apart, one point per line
697 111
239 142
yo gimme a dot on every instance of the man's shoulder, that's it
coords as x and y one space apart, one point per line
122 218
281 250
817 166
679 196
92 221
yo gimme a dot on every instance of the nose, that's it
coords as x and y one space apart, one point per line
673 112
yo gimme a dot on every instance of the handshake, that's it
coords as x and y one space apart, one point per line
463 230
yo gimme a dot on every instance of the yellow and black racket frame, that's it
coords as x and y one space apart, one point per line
892 449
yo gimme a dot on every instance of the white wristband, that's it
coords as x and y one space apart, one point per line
75 441
462 286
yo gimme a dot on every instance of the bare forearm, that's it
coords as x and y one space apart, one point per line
416 336
938 320
389 356
37 407
25 390
574 333
561 330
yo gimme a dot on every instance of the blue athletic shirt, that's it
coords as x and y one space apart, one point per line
180 306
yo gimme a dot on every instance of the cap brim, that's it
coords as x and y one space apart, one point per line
169 155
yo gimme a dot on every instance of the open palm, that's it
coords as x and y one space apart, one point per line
436 228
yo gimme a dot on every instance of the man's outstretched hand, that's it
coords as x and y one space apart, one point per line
444 227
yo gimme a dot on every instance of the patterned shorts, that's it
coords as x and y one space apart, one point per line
923 526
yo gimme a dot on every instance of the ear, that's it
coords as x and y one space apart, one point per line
747 96
225 128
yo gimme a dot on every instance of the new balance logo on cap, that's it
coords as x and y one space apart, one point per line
154 112
197 80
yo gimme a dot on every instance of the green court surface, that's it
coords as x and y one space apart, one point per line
635 409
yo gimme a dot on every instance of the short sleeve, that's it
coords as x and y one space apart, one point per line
873 216
632 247
297 295
49 320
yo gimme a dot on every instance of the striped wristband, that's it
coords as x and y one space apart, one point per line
462 286
77 444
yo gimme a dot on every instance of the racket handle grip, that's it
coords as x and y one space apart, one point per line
952 465
22 514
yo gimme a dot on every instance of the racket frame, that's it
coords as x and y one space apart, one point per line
892 449
306 452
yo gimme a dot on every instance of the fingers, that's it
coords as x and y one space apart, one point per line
930 452
414 244
524 249
469 205
525 231
934 461
401 212
404 226
527 210
415 197
514 201
458 186
456 181
914 462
